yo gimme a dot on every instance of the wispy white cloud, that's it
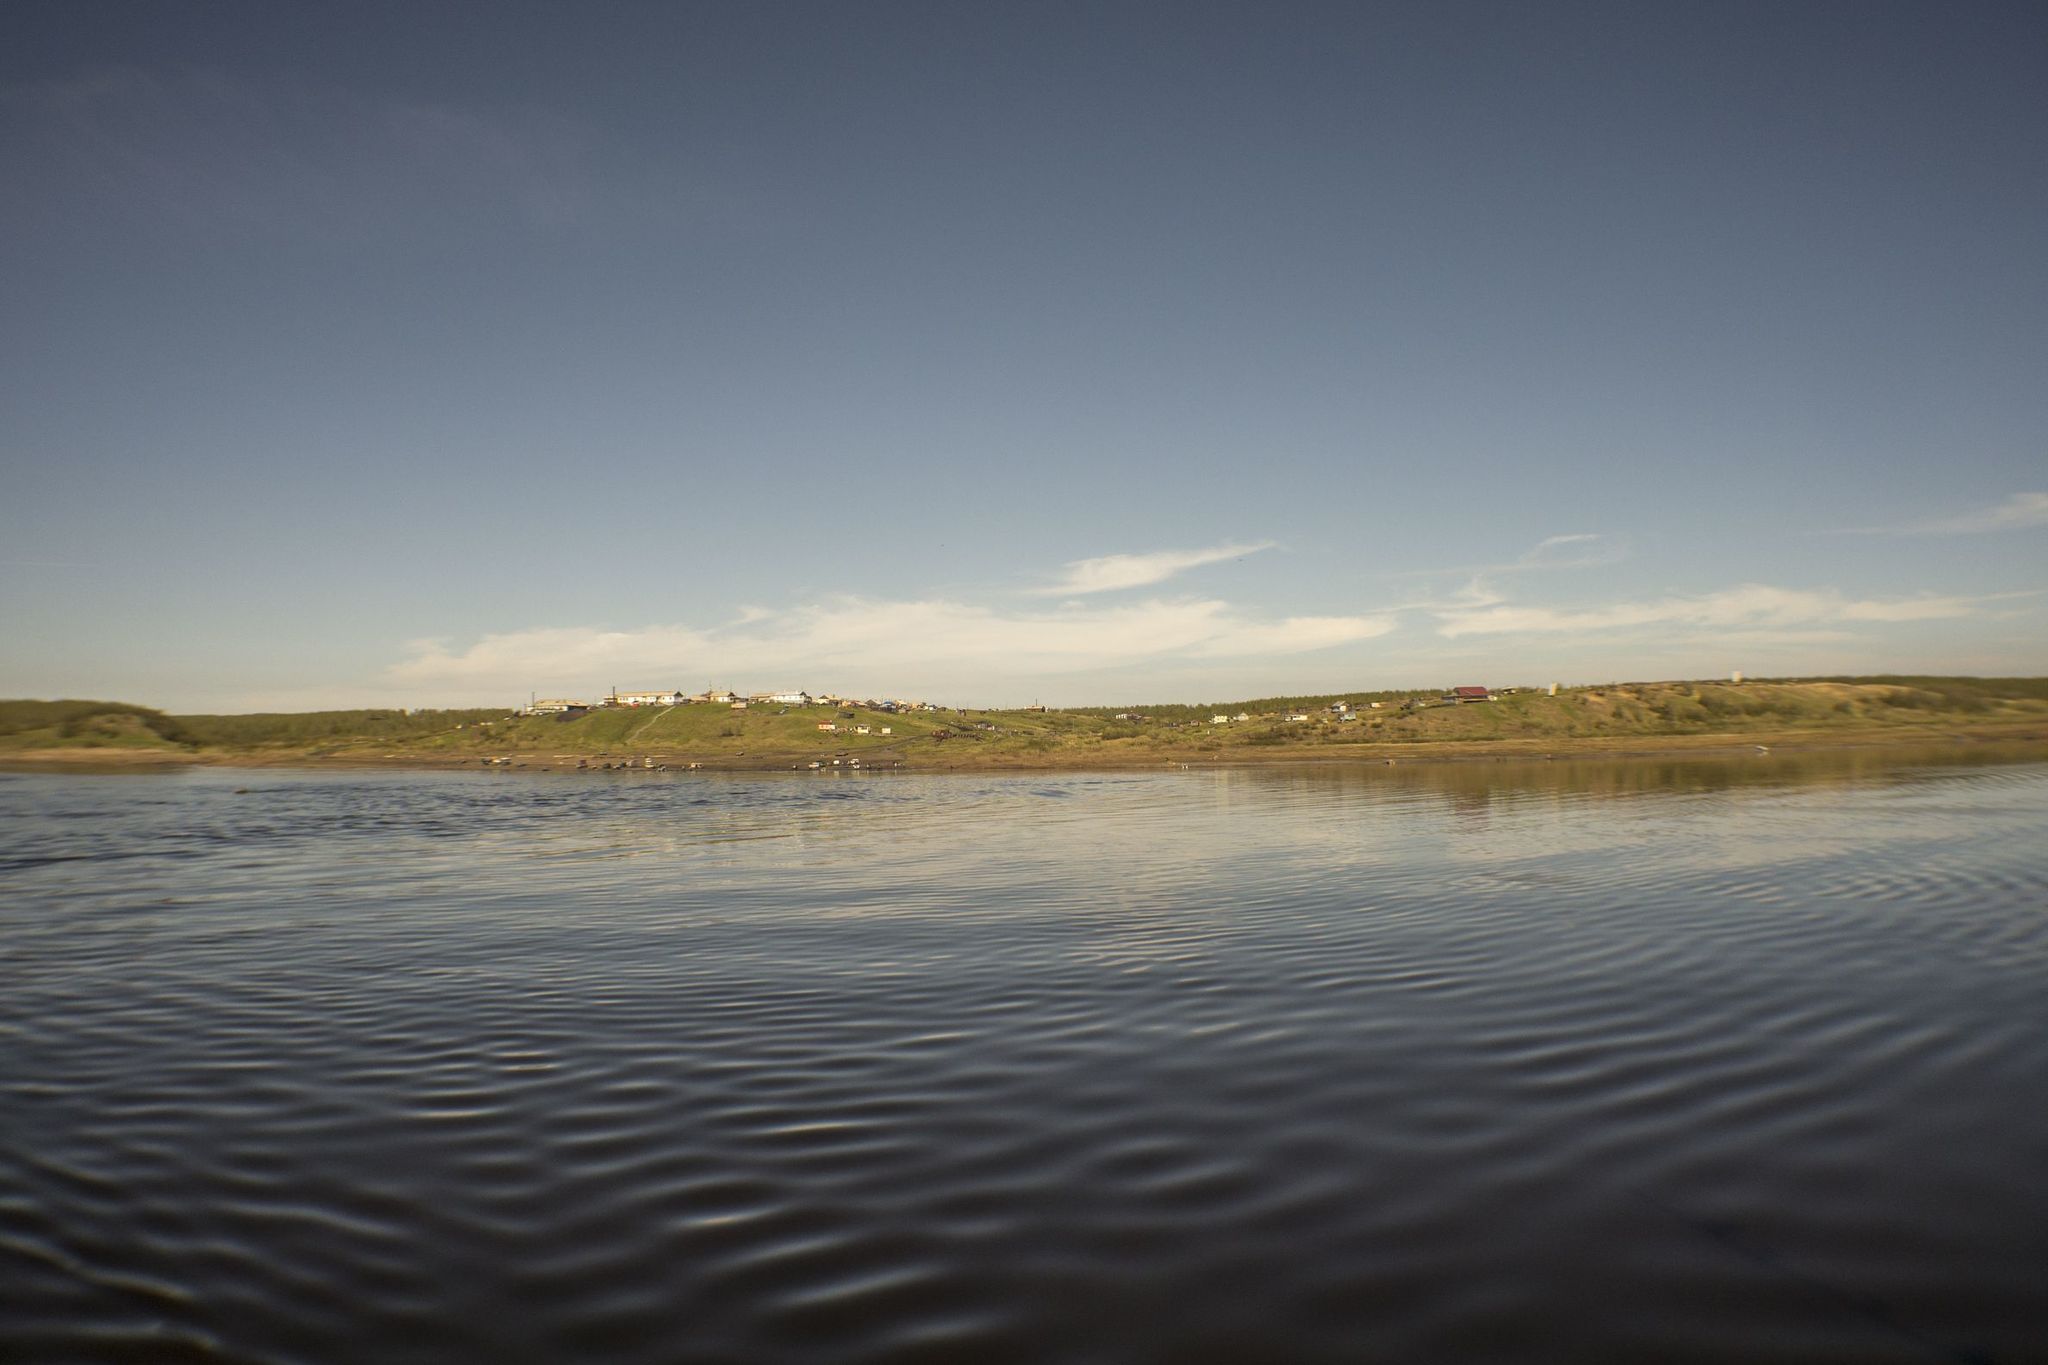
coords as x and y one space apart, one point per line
892 645
1110 573
2018 512
1577 550
215 153
1750 605
1581 550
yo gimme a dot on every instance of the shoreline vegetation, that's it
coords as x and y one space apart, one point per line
1611 720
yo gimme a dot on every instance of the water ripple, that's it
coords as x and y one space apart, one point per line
1732 1060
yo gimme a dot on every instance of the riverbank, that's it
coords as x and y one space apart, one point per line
1620 719
928 758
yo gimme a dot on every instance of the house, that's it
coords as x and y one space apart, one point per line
790 698
1339 708
738 705
1243 715
828 727
860 729
555 706
1219 720
1298 717
1464 694
885 729
646 698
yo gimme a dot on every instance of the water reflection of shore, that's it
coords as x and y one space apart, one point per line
1483 780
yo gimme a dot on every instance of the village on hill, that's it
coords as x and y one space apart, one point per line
737 701
569 707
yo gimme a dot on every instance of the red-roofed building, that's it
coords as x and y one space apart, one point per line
1464 694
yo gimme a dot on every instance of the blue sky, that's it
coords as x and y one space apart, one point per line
421 355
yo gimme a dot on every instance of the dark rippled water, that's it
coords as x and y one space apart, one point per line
1739 1060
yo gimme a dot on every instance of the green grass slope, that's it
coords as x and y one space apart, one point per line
73 724
789 735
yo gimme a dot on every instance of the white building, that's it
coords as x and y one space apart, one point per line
554 706
647 698
790 698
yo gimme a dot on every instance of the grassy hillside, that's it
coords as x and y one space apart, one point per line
27 725
87 725
290 728
768 735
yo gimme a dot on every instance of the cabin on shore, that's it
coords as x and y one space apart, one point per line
1465 694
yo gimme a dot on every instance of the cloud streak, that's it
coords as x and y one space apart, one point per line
889 645
216 154
1584 550
1750 605
1114 573
2018 512
1578 550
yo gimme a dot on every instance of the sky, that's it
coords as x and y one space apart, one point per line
443 354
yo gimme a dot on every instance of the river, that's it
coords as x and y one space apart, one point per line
1706 1059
